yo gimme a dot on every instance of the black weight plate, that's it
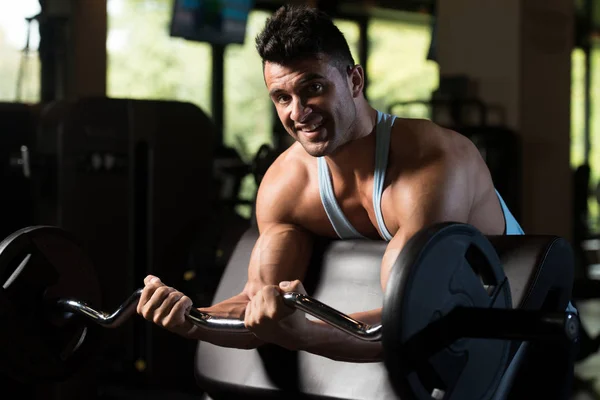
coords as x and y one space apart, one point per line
440 268
38 265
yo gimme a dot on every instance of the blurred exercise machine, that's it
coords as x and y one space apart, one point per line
134 180
17 128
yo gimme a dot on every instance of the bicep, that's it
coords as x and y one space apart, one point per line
439 194
284 247
281 253
390 256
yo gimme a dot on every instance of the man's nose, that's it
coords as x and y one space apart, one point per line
300 110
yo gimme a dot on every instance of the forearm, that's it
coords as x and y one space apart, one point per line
232 308
324 340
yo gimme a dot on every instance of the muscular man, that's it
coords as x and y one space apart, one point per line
353 172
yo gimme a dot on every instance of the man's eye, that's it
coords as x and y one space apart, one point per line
282 98
316 87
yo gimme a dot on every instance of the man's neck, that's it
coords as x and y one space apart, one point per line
357 156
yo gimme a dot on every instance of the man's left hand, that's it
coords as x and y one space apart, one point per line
269 319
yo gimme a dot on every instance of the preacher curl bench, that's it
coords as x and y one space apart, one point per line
345 276
464 316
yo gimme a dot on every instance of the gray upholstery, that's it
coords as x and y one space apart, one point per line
349 281
350 284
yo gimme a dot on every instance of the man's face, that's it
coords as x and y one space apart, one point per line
314 103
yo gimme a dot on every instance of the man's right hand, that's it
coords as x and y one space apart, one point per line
166 307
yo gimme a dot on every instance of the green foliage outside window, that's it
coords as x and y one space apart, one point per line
144 62
19 71
398 69
578 125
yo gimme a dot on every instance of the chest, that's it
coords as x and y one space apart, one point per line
354 199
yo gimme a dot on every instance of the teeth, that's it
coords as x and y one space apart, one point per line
311 128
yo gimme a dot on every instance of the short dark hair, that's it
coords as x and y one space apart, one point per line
296 32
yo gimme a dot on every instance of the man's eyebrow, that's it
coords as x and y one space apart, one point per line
310 77
273 92
306 78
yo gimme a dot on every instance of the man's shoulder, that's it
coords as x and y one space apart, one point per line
423 141
289 168
425 155
285 184
423 130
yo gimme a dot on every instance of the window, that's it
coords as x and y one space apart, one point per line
351 32
577 108
19 69
578 126
247 106
398 69
144 62
594 211
248 112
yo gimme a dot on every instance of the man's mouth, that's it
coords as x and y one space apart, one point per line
311 128
311 132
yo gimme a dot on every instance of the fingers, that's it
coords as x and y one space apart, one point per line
176 317
293 286
270 303
158 298
151 283
163 305
270 320
150 278
264 308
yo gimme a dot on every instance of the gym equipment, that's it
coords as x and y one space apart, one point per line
501 150
264 157
447 286
346 276
17 129
455 112
40 263
231 170
132 180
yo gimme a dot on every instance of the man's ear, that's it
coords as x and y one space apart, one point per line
356 77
